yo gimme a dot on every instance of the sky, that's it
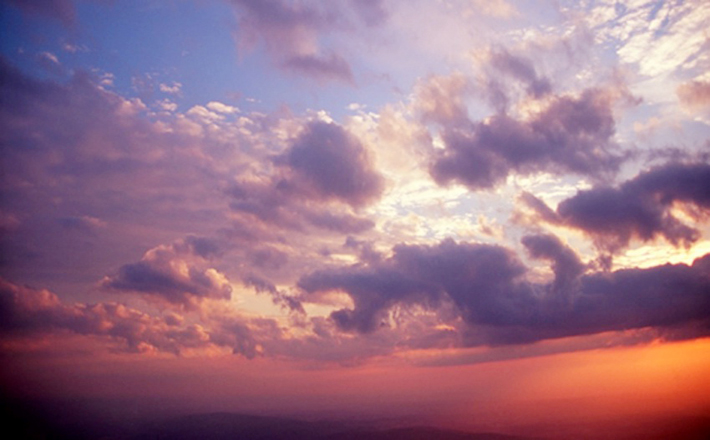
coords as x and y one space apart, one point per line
478 214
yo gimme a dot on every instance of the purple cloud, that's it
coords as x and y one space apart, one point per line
521 69
290 32
489 289
175 274
333 164
321 67
573 134
637 209
25 310
694 94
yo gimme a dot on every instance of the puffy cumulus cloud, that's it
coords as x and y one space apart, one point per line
25 310
571 134
640 208
292 32
333 164
488 288
175 273
482 276
322 178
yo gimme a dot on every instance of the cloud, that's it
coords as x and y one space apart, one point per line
572 134
25 310
290 32
640 208
333 164
694 95
441 99
372 12
521 69
50 63
566 265
489 289
321 67
174 273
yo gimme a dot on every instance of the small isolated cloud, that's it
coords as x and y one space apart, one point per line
176 274
221 108
49 62
321 67
640 208
173 88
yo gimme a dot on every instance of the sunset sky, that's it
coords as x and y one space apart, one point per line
478 214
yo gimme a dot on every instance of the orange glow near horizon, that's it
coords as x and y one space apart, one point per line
584 386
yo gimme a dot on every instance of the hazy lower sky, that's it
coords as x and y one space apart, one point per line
468 212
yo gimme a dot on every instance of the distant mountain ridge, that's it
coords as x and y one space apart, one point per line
224 426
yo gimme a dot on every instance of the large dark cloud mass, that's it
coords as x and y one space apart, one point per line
489 288
639 208
573 134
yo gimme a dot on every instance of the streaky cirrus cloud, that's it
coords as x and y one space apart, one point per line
489 288
640 208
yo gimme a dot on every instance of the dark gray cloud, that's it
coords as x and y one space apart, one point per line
637 209
489 288
573 134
